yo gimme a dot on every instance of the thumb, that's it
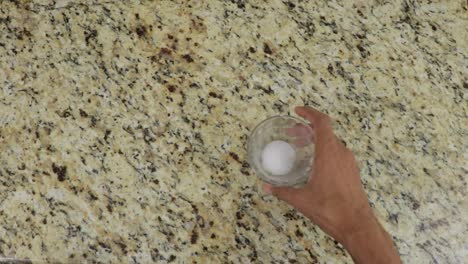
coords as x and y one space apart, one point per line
287 194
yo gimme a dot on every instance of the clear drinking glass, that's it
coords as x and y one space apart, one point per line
297 134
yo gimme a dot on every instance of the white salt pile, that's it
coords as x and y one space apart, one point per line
278 157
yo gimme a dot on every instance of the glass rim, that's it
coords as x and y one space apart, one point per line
299 120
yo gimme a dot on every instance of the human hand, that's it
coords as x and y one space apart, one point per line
334 198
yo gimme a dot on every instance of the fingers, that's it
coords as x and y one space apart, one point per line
321 124
287 194
302 142
298 130
302 135
315 117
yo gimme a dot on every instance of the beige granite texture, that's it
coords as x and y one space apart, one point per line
123 125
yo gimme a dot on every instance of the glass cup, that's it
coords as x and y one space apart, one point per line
297 134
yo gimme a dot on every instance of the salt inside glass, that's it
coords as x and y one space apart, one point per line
278 157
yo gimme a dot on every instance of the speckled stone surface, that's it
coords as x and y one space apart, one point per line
123 126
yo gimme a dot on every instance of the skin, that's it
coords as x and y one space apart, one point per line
334 197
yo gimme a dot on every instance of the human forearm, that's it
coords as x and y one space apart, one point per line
334 197
371 244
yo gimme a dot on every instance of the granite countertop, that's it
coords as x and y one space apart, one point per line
123 126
